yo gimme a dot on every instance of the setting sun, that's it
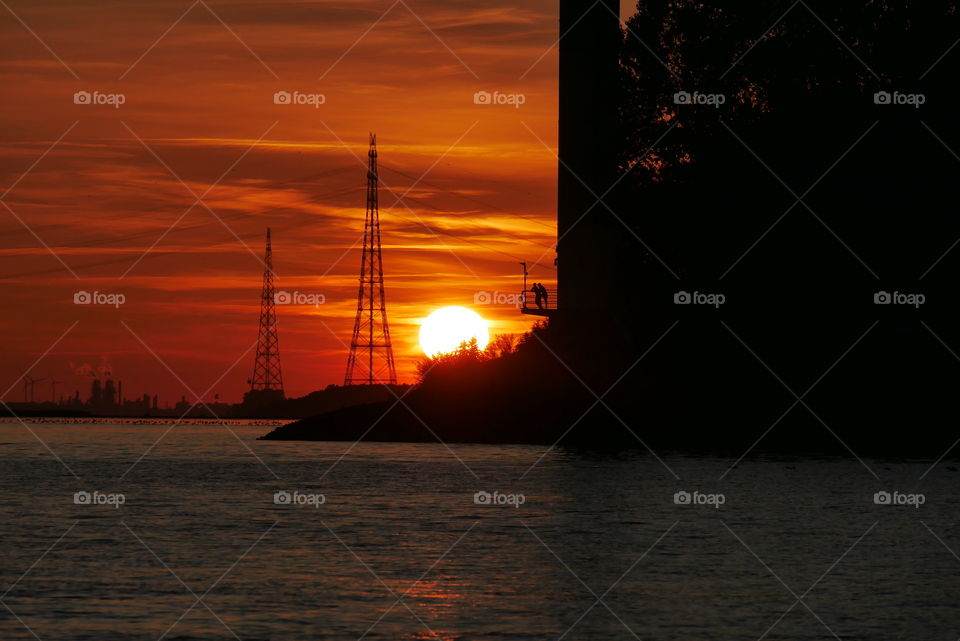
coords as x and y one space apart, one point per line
448 328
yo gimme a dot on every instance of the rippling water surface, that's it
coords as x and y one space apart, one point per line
398 549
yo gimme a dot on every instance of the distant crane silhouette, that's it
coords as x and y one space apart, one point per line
370 348
53 388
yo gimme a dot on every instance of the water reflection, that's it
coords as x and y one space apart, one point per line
590 527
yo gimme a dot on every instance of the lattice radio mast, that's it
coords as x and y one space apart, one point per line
371 352
266 369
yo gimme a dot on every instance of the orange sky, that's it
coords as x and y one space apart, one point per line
111 199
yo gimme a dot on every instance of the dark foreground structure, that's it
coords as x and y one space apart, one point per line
757 230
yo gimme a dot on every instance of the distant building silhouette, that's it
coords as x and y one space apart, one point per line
109 393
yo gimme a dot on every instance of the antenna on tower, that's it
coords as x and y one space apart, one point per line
371 352
266 369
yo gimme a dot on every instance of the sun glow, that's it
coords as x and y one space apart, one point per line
446 329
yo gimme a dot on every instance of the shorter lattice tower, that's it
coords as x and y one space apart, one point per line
266 369
371 353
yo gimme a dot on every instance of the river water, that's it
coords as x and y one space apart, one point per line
182 535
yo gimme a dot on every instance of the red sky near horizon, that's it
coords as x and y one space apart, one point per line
98 198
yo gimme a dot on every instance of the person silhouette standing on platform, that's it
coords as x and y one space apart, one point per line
539 295
544 295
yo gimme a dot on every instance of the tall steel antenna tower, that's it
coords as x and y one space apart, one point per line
371 352
266 369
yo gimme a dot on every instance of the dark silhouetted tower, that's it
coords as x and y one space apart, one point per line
587 145
266 369
371 353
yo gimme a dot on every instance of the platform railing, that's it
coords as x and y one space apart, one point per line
547 304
